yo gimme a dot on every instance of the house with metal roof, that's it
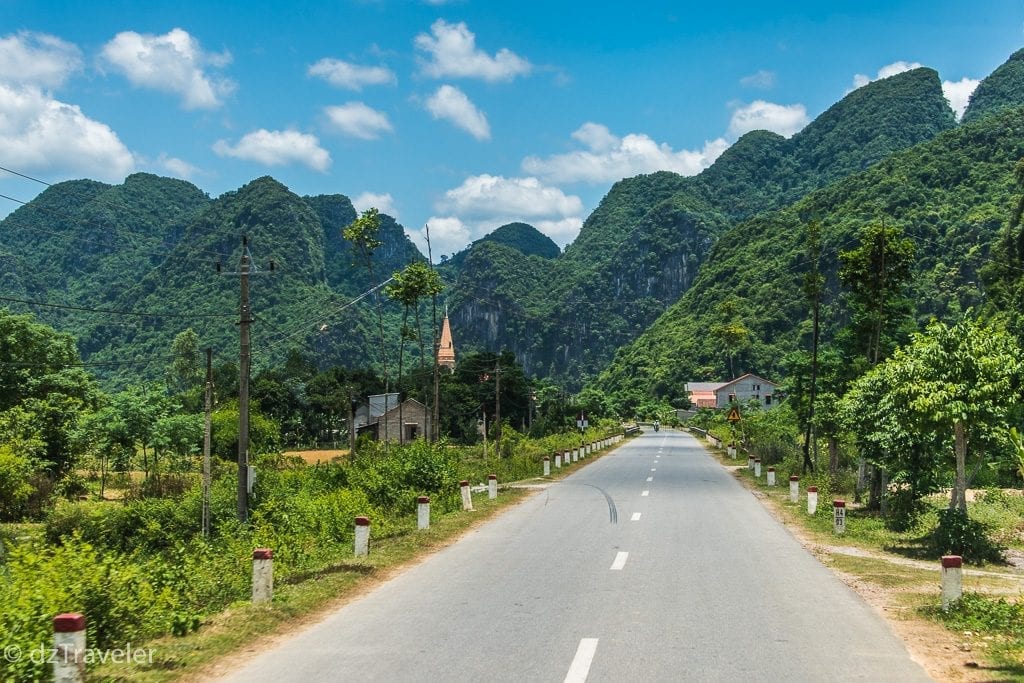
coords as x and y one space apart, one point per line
742 389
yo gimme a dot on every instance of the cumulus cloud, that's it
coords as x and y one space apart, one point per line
28 58
357 120
959 93
860 80
488 195
173 63
784 119
448 235
452 53
384 203
176 167
277 148
608 157
451 104
351 76
762 80
40 133
484 202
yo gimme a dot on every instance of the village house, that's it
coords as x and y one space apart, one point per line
741 390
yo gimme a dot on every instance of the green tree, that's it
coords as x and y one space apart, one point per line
961 382
731 332
409 286
185 372
876 273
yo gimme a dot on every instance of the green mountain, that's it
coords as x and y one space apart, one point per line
522 237
646 241
1003 88
950 195
152 247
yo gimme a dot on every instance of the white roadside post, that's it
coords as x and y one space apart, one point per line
492 486
467 496
69 648
750 461
952 589
794 489
732 451
547 466
812 499
262 575
423 512
771 476
757 467
558 461
839 516
362 543
574 453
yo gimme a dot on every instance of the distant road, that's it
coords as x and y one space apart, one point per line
651 564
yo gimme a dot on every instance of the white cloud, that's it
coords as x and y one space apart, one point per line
784 119
484 202
37 59
352 76
762 80
959 93
448 235
860 80
610 158
39 133
176 167
451 104
277 148
173 63
384 203
453 53
357 120
486 195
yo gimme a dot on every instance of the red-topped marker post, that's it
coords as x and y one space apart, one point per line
262 575
69 648
362 542
952 569
839 516
423 512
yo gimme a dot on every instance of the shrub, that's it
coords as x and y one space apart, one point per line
958 534
15 483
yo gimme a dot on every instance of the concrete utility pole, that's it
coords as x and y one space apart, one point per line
208 401
244 360
497 408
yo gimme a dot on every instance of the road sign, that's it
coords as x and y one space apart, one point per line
734 415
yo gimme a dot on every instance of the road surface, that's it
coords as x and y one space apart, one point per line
650 564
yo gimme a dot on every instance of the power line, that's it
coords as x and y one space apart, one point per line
107 311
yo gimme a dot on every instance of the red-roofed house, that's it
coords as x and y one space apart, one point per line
741 389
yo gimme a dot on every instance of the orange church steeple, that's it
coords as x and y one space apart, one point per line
446 349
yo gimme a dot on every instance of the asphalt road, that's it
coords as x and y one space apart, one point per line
651 564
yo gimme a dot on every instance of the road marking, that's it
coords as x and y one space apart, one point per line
646 493
580 666
620 561
654 469
650 478
635 517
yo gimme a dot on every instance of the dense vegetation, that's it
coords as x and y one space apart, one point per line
644 244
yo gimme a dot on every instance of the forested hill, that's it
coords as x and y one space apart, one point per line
1003 88
151 246
522 237
644 244
951 196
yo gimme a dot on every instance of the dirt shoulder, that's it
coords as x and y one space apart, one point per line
897 587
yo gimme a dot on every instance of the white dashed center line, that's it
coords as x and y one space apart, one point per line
650 478
620 561
635 517
580 666
646 493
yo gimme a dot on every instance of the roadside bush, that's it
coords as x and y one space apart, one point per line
958 534
15 483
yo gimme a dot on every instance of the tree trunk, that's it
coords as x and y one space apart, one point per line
833 456
959 498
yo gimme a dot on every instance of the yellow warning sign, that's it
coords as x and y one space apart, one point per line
734 415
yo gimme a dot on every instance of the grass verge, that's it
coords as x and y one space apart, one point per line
979 639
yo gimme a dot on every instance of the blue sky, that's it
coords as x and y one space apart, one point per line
462 114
